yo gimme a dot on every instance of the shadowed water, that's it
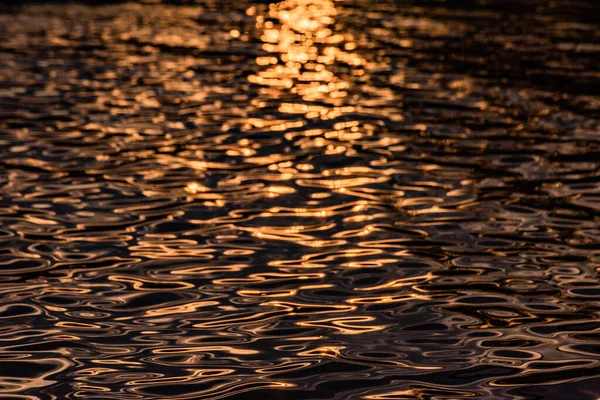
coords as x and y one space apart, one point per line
300 200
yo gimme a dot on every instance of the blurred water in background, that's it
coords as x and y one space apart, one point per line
305 199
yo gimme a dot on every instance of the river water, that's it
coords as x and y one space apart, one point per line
305 199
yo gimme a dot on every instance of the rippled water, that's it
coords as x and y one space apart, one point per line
300 200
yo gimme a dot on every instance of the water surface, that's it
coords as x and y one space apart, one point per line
304 199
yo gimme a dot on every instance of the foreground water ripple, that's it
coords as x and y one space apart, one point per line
304 199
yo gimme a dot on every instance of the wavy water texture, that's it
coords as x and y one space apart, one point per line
305 199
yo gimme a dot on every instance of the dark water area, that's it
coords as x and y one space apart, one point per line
305 199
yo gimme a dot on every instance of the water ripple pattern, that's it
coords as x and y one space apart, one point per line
304 199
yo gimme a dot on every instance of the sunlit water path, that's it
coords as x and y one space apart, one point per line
305 199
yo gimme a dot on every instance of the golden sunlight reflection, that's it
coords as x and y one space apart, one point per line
303 46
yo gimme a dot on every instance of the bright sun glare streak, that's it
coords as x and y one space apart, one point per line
303 45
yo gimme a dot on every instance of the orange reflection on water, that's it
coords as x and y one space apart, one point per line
353 325
303 45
